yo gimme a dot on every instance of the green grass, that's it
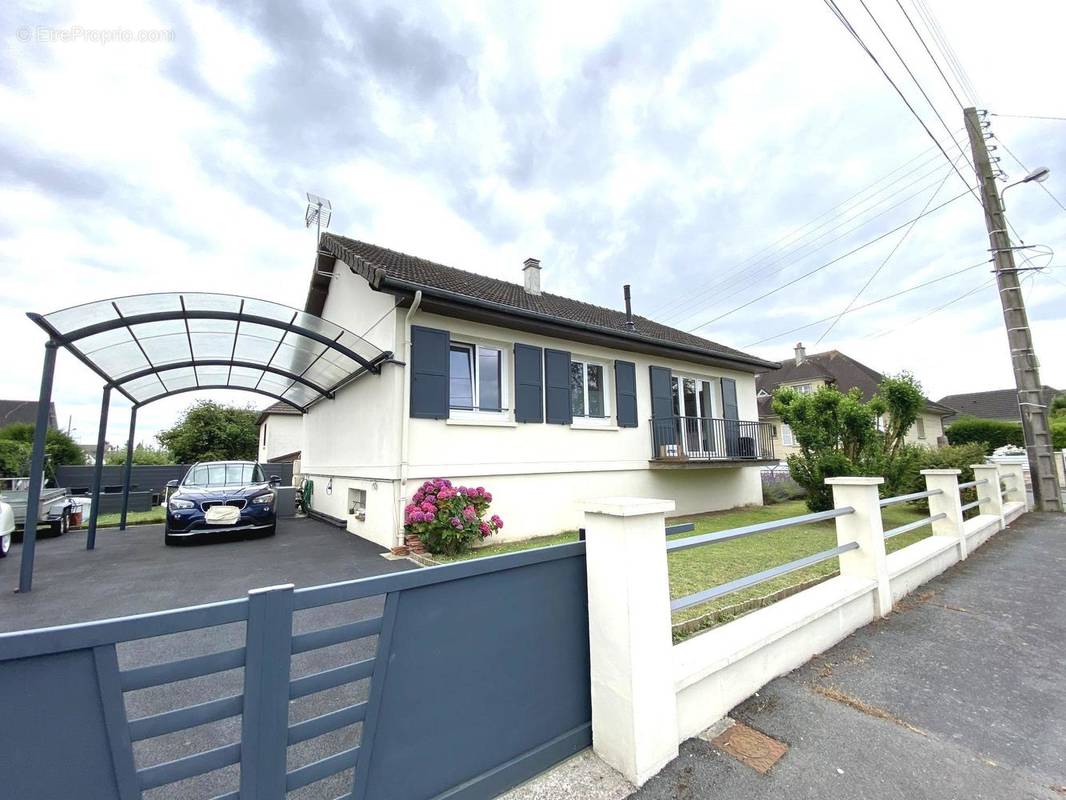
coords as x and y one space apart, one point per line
711 565
150 517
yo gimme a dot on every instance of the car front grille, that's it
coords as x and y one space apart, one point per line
235 503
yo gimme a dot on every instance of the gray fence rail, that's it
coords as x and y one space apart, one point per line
479 680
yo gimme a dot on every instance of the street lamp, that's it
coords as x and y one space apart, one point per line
1039 175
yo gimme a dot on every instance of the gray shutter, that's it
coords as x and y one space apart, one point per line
528 392
557 406
625 393
429 372
731 414
664 424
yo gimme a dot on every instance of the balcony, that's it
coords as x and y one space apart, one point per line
707 441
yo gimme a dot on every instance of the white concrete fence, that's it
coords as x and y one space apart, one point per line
648 695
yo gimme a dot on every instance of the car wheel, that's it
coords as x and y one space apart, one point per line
5 544
61 525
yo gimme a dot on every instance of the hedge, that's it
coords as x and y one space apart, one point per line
993 433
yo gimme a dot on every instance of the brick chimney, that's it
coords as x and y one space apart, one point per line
801 353
531 274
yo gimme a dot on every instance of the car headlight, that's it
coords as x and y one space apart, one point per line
263 499
177 502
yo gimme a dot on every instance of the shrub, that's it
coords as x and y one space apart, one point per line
811 471
781 491
447 519
1058 433
993 433
961 457
14 459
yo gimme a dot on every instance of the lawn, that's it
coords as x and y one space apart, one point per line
151 517
711 565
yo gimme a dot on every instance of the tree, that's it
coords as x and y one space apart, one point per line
899 401
1058 407
837 434
58 447
141 455
210 431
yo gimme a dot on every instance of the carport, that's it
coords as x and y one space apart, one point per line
150 346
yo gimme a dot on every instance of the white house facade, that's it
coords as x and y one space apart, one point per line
542 400
280 433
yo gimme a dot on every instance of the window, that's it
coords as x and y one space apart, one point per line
787 439
803 388
920 426
476 377
264 433
588 391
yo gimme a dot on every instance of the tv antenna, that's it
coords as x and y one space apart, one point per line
319 211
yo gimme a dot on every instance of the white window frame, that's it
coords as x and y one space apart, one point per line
788 439
919 426
804 388
607 410
476 347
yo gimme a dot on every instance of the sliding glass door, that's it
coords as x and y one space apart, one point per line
694 407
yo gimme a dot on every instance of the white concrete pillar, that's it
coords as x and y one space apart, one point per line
988 493
863 526
948 503
634 706
1014 476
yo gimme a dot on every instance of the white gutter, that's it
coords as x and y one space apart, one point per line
405 421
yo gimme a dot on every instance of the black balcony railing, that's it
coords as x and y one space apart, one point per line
710 439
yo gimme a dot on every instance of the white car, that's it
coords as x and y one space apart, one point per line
7 527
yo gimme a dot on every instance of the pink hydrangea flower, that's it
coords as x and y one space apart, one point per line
457 523
469 512
484 529
496 521
429 508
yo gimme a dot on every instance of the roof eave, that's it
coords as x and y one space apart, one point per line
449 303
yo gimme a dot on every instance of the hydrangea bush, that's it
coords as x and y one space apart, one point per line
448 518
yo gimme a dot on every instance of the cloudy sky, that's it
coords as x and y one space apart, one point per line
707 153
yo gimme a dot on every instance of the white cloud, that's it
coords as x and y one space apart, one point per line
666 145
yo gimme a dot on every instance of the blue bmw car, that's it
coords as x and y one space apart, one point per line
218 498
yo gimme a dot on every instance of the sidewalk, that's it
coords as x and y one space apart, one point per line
959 693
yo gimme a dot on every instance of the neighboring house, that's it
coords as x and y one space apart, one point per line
12 411
997 404
806 373
543 400
280 435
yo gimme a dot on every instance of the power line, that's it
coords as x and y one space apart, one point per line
884 299
930 54
1028 116
945 48
887 258
728 282
916 82
672 308
829 263
936 310
842 18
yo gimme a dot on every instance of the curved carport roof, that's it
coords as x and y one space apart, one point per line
150 346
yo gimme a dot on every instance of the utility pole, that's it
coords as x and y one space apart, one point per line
1023 357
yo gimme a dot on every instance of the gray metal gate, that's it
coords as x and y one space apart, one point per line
479 680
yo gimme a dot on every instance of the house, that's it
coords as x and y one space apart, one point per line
280 435
808 372
997 404
24 411
543 400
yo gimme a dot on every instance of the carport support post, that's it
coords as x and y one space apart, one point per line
634 705
33 499
864 526
948 503
988 493
128 471
98 469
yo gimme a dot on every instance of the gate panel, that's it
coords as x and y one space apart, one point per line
486 683
53 731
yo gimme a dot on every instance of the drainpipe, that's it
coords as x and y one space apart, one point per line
405 421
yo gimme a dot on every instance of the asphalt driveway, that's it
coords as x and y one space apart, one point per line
133 572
